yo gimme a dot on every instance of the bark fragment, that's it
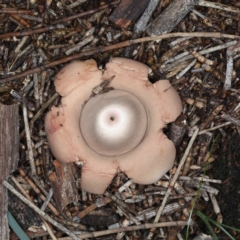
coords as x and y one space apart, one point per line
178 129
127 12
9 140
64 185
170 17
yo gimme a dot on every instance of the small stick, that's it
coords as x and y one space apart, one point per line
214 128
208 180
47 200
181 196
196 184
79 45
92 207
22 21
31 18
76 3
70 223
35 81
15 11
131 228
124 186
231 119
37 210
218 6
141 24
178 41
29 141
231 51
43 79
173 181
20 44
228 79
120 202
215 203
185 70
210 118
40 186
121 45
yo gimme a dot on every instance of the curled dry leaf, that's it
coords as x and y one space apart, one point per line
112 125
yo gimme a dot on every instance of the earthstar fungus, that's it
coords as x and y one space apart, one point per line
113 129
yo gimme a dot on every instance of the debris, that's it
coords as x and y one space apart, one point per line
9 141
63 183
127 12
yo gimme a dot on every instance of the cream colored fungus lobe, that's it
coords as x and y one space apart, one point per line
120 130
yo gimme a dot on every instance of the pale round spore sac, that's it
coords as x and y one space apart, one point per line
114 123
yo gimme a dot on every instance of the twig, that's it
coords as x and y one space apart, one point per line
208 180
173 181
70 223
29 141
29 32
40 186
41 213
79 45
47 200
231 51
125 185
76 3
22 21
115 46
218 6
92 207
141 24
15 11
131 228
185 70
231 119
31 18
203 186
120 202
214 128
210 118
214 203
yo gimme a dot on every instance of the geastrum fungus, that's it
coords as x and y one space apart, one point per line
111 120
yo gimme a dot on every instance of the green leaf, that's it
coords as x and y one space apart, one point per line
205 220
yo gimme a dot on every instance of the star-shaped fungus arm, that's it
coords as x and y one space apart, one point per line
151 161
